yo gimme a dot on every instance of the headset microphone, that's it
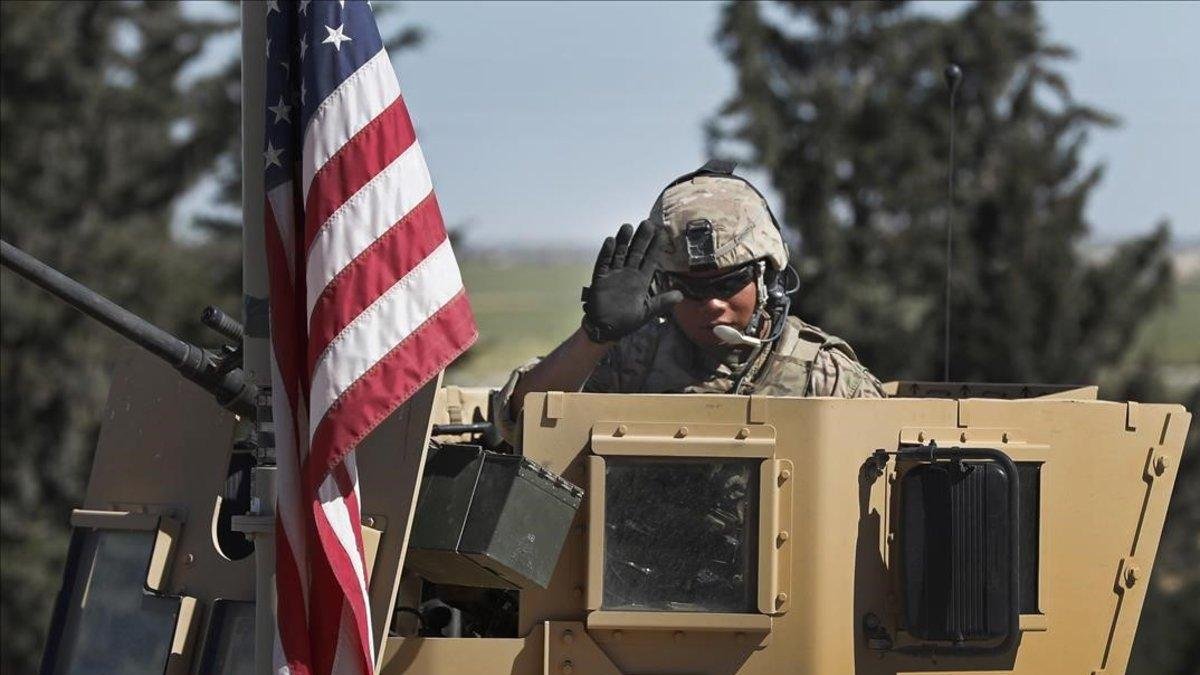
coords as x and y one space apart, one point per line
732 336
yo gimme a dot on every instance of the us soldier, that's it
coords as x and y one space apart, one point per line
711 254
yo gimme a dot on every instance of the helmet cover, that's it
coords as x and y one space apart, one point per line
716 221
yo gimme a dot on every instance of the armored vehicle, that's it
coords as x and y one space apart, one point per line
949 528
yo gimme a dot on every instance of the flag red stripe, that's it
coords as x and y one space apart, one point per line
284 324
346 582
293 635
373 272
410 364
293 632
346 485
370 151
325 600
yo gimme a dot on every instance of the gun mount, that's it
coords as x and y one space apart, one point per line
219 374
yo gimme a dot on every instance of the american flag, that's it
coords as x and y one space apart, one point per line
367 305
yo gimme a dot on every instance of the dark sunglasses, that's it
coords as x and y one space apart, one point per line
723 286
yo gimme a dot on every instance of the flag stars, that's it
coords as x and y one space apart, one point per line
272 6
304 5
336 36
303 45
282 111
271 156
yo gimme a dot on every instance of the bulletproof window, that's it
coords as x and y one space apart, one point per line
106 621
229 647
681 534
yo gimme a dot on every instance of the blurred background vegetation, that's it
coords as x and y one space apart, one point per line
104 124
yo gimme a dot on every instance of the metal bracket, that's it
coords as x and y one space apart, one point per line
372 532
775 536
554 405
163 553
1133 416
569 650
184 638
758 409
454 404
963 413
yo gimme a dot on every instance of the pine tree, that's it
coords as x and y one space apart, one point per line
844 107
98 139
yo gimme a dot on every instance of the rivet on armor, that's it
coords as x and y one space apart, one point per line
621 430
1131 575
1161 463
568 637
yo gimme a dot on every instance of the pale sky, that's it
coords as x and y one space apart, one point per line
552 123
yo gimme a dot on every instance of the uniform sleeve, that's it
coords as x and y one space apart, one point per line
502 415
604 379
836 374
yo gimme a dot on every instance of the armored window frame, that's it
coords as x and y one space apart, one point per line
88 527
699 442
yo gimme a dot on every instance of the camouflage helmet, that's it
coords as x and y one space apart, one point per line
714 220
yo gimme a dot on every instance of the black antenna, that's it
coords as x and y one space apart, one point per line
953 76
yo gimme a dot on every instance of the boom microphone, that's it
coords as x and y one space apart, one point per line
732 336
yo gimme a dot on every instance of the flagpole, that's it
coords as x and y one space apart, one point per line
254 256
255 315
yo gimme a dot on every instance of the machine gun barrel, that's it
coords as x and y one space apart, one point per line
221 322
228 385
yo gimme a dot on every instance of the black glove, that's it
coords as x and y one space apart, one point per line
619 302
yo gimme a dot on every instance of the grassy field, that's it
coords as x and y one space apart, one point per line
1175 332
525 311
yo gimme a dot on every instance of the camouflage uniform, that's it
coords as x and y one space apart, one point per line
659 358
717 221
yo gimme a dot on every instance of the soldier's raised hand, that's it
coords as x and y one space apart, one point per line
618 301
